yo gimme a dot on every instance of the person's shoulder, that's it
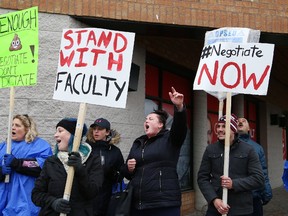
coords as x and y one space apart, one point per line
257 147
114 148
41 140
244 144
2 145
140 139
217 146
51 159
255 144
246 147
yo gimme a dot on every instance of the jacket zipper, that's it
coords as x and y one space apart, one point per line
140 189
141 180
143 154
160 180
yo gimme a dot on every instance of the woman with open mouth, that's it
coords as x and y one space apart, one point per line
152 161
49 187
23 165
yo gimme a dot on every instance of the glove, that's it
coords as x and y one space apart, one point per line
6 170
75 160
8 158
61 205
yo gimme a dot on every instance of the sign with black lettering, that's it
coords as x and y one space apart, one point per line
235 67
19 48
94 66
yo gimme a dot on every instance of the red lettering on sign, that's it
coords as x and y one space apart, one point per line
96 54
84 43
253 77
104 39
118 36
241 75
119 62
79 35
223 73
70 39
91 38
206 70
80 60
66 60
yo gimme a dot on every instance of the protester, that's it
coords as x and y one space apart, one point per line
261 196
151 163
23 165
88 177
102 139
245 174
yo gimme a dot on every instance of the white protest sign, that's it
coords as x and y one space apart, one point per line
94 66
237 68
234 35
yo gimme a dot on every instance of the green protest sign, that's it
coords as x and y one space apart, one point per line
19 48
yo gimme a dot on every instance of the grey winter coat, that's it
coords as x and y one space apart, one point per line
244 170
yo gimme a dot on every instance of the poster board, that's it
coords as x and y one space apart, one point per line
19 48
236 68
94 66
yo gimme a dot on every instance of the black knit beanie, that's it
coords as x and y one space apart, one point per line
70 125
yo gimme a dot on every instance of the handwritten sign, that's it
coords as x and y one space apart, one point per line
230 34
94 66
19 48
231 67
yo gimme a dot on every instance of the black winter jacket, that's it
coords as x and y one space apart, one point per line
51 184
112 160
244 170
155 180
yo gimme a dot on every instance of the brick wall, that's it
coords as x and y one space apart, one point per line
188 200
256 14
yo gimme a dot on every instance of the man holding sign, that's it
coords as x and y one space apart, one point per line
245 174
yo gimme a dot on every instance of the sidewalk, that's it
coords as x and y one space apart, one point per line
278 206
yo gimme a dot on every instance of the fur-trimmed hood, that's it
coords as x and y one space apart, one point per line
114 137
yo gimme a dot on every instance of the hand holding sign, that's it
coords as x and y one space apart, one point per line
233 68
94 67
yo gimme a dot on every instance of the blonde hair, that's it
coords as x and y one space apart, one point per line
90 135
29 125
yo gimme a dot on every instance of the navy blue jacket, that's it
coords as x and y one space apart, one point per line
266 193
155 180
